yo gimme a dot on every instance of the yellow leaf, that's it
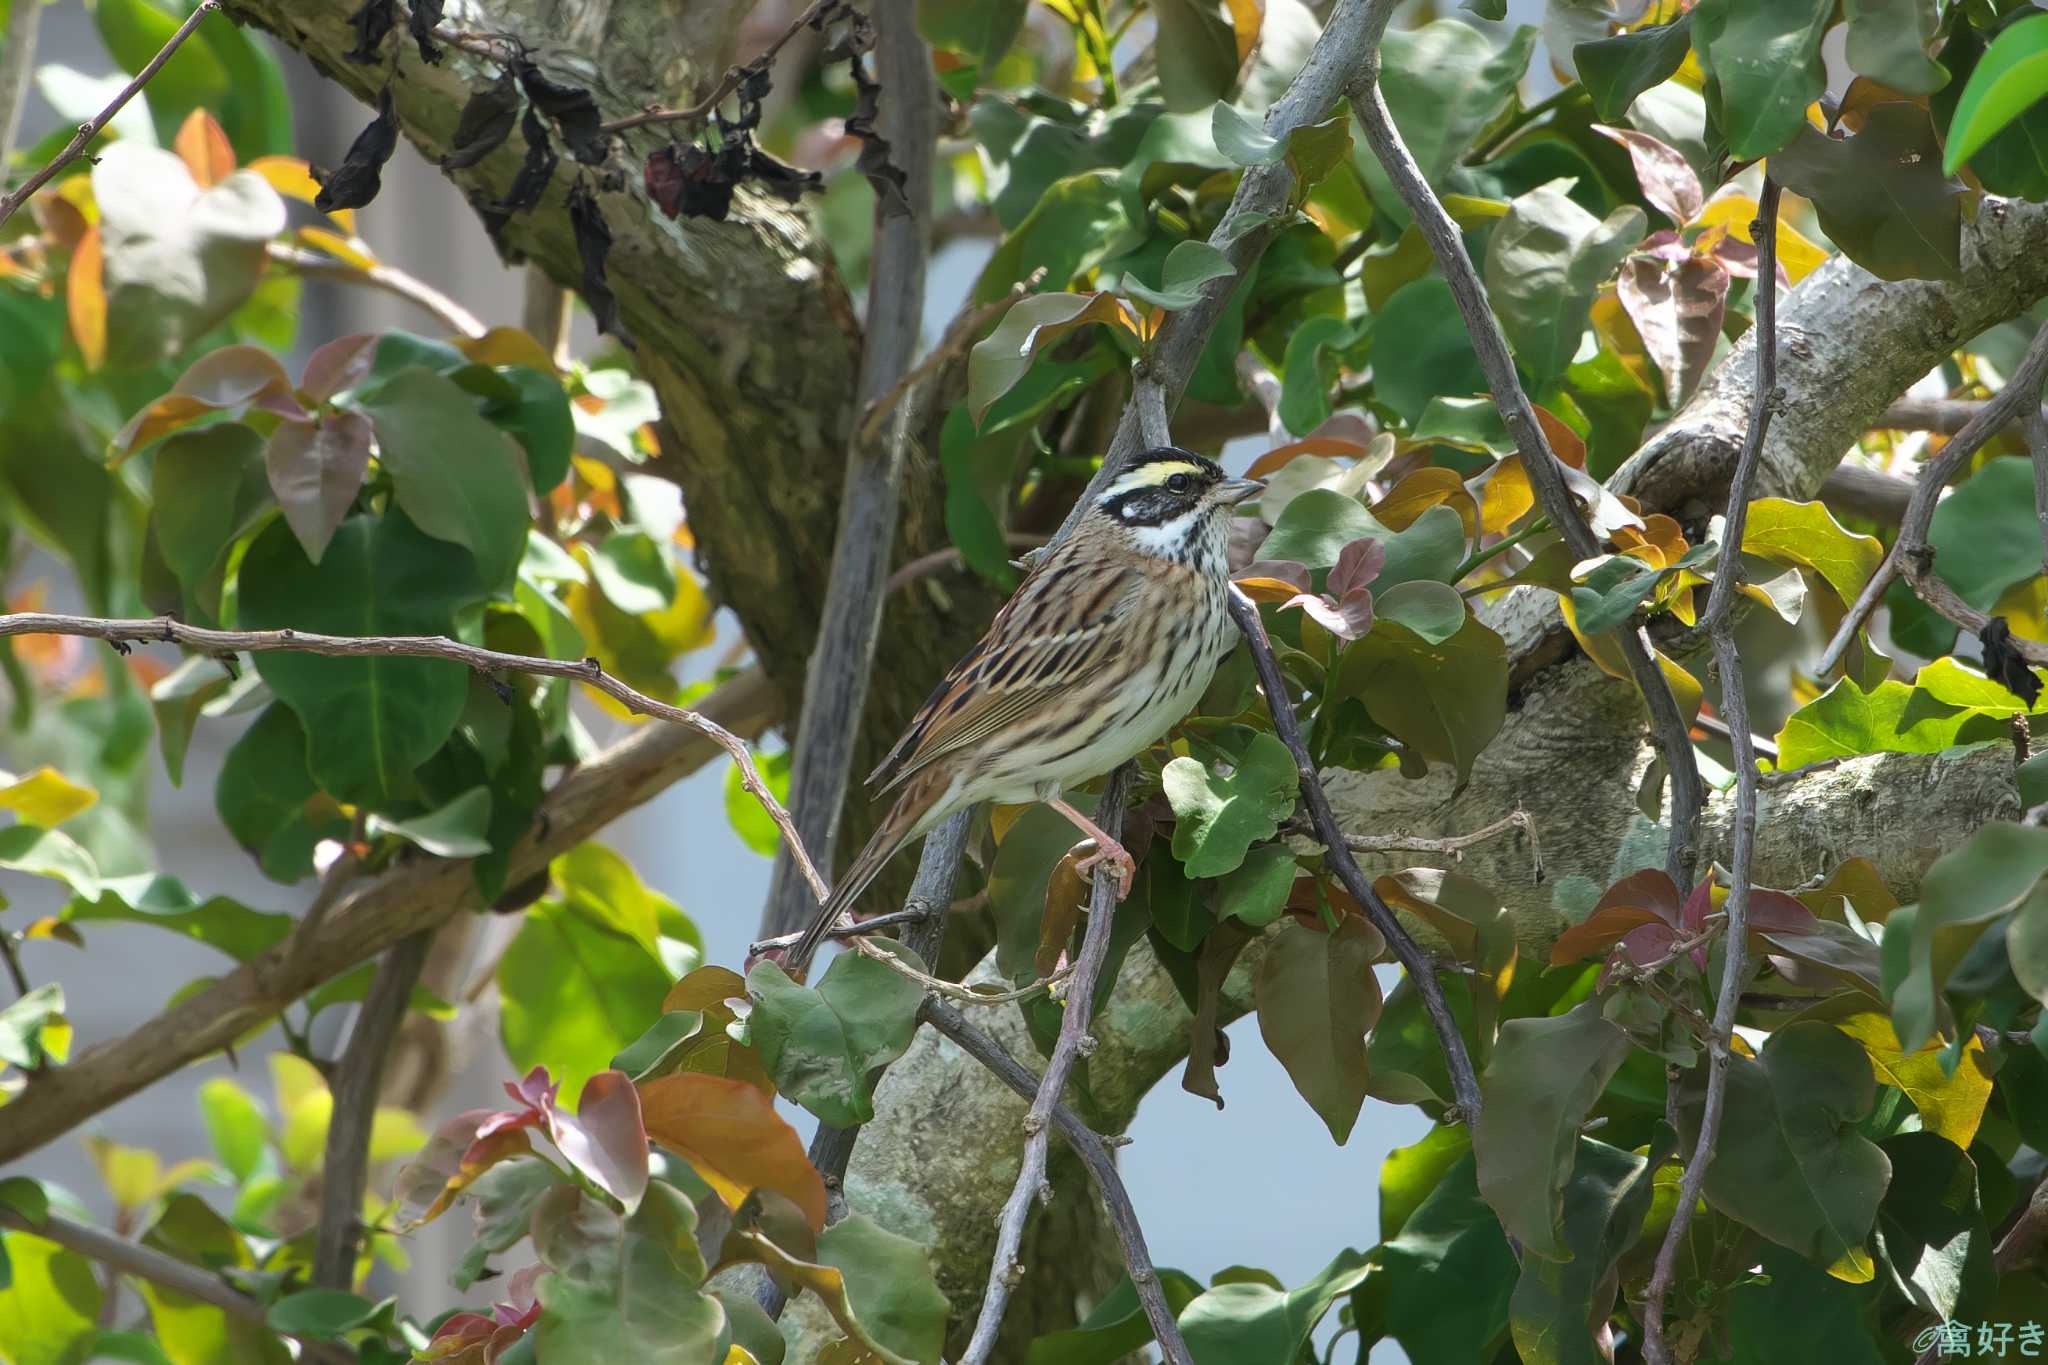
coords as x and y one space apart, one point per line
293 178
354 250
204 148
1271 590
1422 489
1603 650
46 797
1618 334
507 346
1504 495
1685 688
1952 1106
1799 256
1733 213
85 300
1246 17
2025 608
1855 1267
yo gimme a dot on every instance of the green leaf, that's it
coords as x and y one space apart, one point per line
1616 70
1985 535
623 1289
658 1051
1189 266
2015 160
1077 224
748 818
1316 526
1611 593
1446 701
1305 378
1433 355
457 476
266 797
1790 1162
22 1028
1881 194
1449 1275
323 1314
1197 54
1317 998
370 721
1004 356
1543 265
1795 1310
1893 717
2011 77
1888 41
1429 550
136 30
1432 609
1932 1226
603 885
1444 82
575 993
51 1304
1604 1200
1242 137
236 1124
1805 535
1993 872
1544 1078
824 1046
538 416
1766 56
165 902
207 486
1256 892
1116 1326
1251 1323
979 30
456 830
633 573
889 1280
1219 816
504 1199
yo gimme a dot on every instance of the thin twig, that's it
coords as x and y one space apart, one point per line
358 1084
953 990
12 957
1546 475
1006 1270
1450 845
1947 603
1464 1083
729 82
1719 620
1713 725
389 278
2021 394
2035 425
181 1277
90 129
850 620
951 557
164 630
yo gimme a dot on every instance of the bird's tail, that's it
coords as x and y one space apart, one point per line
904 822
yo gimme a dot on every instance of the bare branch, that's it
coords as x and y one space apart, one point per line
358 1085
1719 621
389 278
1450 845
836 683
1006 1270
1464 1084
181 1277
2035 424
1094 1152
90 129
2021 394
1667 726
414 894
1935 591
164 630
951 558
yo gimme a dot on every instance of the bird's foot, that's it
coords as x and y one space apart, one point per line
1119 859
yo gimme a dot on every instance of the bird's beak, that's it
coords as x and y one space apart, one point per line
1234 491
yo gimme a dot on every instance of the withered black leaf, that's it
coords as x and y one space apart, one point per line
691 182
2004 663
593 244
360 175
574 112
873 162
375 19
780 178
486 121
423 18
536 171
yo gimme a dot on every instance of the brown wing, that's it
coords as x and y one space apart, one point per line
1058 630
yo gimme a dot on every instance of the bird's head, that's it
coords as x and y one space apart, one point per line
1173 502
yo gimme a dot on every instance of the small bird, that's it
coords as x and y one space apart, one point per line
1111 637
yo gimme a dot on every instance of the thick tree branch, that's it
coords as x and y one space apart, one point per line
180 1277
1719 622
2021 395
90 129
836 684
358 1085
2035 425
1546 474
1420 969
413 895
164 630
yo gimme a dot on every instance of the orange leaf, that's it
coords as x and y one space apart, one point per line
730 1133
1307 445
205 150
293 179
1422 489
1066 894
1246 18
85 300
1564 442
1598 932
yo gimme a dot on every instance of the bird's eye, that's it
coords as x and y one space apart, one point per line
1179 483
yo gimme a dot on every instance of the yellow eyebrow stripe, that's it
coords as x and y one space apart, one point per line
1152 475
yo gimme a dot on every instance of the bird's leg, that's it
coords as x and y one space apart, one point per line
1107 850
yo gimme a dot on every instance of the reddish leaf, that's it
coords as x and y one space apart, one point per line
1358 564
231 379
1667 178
455 1156
604 1138
1677 311
340 364
1347 618
315 470
1564 442
1599 931
730 1133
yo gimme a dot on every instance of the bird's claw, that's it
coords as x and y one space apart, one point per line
1118 858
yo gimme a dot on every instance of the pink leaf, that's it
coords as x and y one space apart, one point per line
1677 309
1667 178
604 1138
340 364
1358 564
